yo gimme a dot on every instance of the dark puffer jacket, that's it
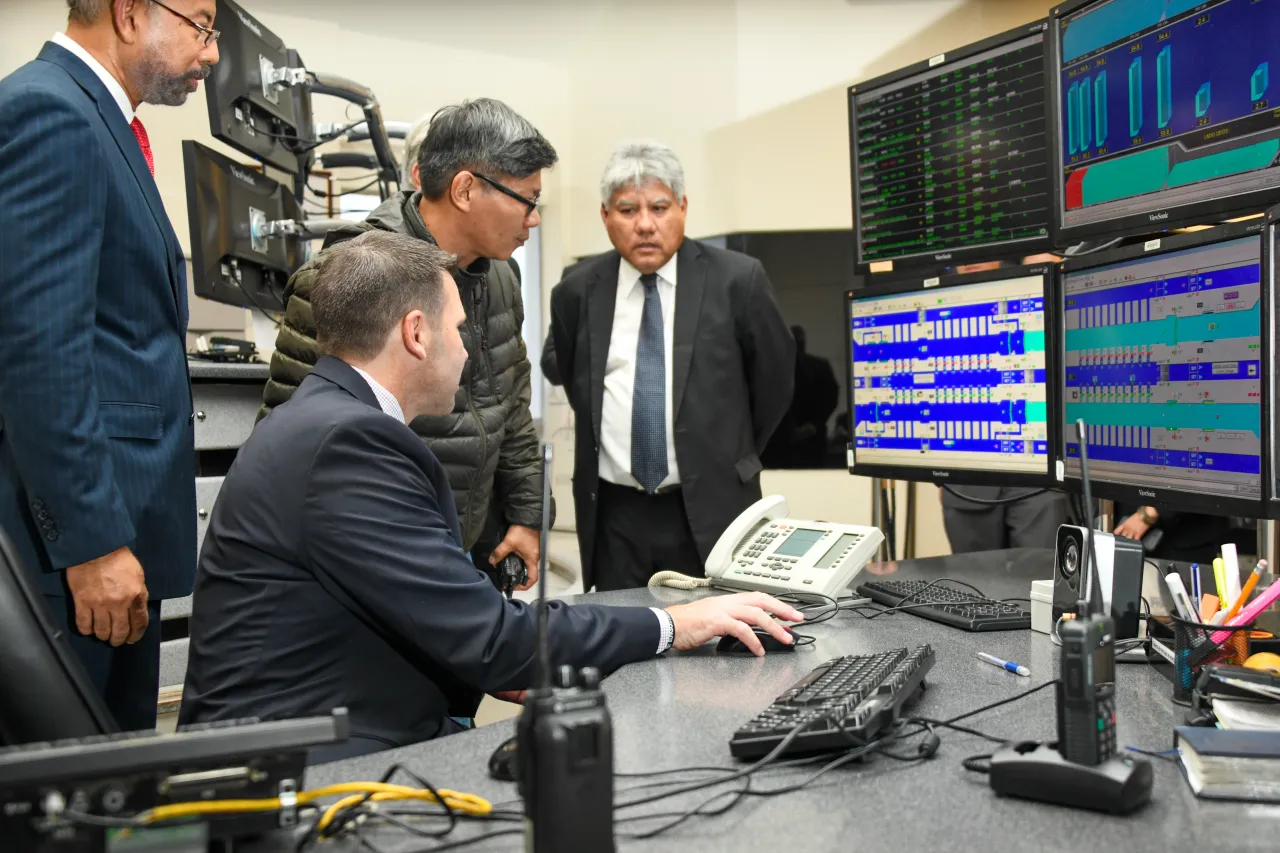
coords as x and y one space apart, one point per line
488 444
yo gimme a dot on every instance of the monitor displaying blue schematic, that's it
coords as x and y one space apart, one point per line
1167 110
948 379
1163 360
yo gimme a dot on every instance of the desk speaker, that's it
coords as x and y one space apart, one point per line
1119 572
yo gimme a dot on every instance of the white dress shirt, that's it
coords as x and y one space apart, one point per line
112 84
386 400
620 374
389 404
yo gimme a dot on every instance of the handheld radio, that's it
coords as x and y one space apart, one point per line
564 741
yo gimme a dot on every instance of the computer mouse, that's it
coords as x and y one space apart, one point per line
730 644
502 764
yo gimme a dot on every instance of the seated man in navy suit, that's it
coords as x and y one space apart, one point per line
332 572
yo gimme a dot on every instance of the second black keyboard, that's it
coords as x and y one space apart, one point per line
949 604
841 704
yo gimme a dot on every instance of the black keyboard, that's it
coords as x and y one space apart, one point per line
950 605
124 753
841 704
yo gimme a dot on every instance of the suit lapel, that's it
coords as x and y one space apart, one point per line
691 278
602 296
129 149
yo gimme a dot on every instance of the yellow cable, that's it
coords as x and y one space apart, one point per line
466 803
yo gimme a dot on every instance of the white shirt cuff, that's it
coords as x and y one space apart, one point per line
667 628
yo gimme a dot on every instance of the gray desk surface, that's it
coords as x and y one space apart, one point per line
215 370
680 710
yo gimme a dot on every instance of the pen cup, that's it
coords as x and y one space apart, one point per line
1193 649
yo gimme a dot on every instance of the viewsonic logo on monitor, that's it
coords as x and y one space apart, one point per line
1158 217
944 256
250 23
1146 493
244 176
942 475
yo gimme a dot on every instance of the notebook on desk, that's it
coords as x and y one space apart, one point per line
1223 764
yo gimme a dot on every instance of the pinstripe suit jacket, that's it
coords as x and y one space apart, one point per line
96 447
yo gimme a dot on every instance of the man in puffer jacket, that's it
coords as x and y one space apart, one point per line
480 173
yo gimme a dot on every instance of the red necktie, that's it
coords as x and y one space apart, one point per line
144 142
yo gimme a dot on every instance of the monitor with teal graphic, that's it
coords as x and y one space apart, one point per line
1163 359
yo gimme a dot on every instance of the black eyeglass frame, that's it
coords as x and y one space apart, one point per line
530 203
210 35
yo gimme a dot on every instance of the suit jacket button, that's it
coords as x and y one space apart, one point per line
51 535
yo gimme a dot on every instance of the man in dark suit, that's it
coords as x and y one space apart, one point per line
96 455
332 572
678 366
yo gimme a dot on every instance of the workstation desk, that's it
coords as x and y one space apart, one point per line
681 709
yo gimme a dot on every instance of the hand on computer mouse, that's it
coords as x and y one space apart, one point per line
732 615
732 645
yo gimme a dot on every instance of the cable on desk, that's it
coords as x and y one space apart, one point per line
902 605
978 763
997 501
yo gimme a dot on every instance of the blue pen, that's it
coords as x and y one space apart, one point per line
1195 586
1016 669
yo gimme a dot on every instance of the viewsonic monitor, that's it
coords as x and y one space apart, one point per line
246 109
950 158
1163 357
1165 113
228 203
951 379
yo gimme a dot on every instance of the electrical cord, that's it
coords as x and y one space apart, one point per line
1077 252
998 501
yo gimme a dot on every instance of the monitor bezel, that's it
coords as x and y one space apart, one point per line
986 252
1139 495
962 476
1270 324
1160 220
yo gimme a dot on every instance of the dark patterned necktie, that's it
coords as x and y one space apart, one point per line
649 399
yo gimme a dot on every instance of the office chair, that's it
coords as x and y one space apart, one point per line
45 694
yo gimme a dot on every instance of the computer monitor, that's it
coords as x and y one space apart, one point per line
949 380
246 109
1163 358
1164 113
228 203
949 156
1271 325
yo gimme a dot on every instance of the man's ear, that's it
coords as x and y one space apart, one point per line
604 213
684 204
462 190
417 176
415 334
128 18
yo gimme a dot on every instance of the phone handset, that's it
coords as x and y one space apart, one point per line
763 510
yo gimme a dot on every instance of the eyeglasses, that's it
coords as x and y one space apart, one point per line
530 203
210 35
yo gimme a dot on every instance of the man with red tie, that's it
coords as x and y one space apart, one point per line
96 451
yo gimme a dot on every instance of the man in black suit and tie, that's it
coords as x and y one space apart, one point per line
678 366
97 461
332 572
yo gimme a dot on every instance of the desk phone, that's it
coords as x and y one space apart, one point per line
765 550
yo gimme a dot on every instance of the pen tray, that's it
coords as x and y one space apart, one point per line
1193 648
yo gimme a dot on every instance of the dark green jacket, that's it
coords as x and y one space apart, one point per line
488 444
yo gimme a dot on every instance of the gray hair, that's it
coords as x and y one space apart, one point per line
412 148
485 136
633 164
86 11
364 287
